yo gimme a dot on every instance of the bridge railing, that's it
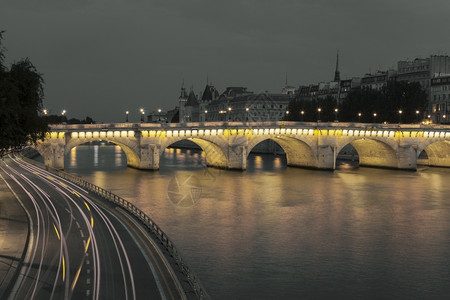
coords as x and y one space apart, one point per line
225 124
164 239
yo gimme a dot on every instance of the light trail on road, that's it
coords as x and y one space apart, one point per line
80 249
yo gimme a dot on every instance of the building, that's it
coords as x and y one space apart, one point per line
378 80
423 70
157 117
327 89
440 99
193 109
348 85
239 104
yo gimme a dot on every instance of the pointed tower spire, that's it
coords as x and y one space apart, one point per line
183 90
337 75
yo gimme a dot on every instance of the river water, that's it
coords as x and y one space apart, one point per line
273 232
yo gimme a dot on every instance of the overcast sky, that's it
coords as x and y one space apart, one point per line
100 58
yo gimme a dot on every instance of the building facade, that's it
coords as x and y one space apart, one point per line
440 99
423 71
194 109
238 104
378 80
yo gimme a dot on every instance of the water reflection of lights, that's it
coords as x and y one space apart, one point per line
95 155
277 162
118 155
258 162
73 157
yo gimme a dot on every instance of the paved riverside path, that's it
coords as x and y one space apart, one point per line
13 237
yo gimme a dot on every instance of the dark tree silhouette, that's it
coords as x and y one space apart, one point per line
385 103
21 94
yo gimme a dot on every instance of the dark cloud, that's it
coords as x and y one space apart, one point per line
100 58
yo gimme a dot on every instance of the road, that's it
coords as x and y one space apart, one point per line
79 249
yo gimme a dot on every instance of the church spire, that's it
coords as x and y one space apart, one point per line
337 75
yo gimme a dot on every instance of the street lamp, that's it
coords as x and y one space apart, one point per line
246 112
400 116
374 117
126 116
142 114
359 117
318 114
206 115
301 114
222 112
229 113
159 114
444 118
63 112
336 115
429 119
45 111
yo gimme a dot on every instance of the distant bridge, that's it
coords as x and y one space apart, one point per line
227 144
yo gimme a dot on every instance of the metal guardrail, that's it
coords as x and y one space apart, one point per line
142 217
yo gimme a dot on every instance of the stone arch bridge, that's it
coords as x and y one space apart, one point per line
227 144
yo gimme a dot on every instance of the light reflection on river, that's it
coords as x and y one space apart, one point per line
275 232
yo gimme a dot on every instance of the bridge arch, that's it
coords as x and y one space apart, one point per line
133 159
437 152
374 153
298 153
214 153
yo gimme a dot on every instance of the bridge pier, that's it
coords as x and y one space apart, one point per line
237 157
407 157
148 157
326 157
53 155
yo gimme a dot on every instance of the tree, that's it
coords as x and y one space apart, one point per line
21 94
385 103
310 110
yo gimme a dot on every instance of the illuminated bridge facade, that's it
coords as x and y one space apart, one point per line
227 144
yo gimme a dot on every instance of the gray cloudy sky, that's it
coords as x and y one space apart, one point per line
100 58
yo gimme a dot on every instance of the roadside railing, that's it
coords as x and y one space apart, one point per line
195 284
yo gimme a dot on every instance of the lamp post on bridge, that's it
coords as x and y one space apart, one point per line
400 116
336 110
159 115
206 115
359 117
246 113
301 115
229 113
374 117
318 114
142 115
417 116
126 116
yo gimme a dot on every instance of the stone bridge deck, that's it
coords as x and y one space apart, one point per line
227 144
